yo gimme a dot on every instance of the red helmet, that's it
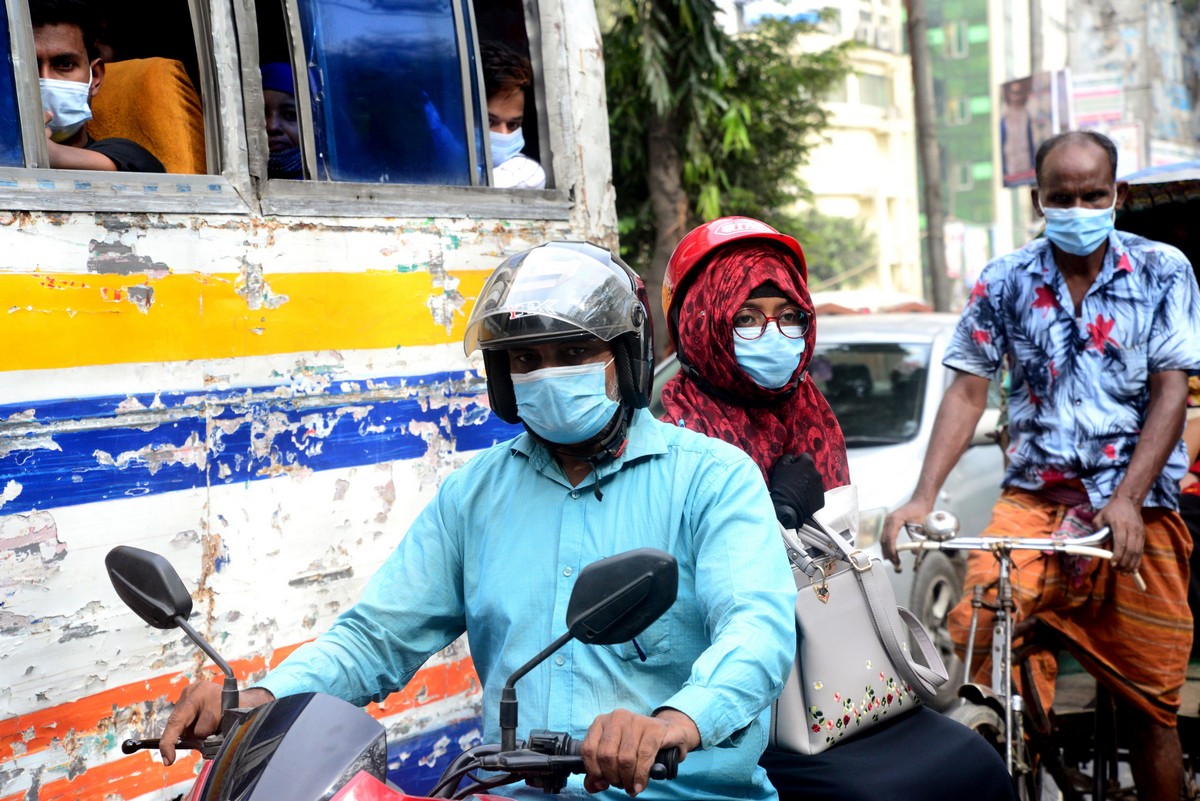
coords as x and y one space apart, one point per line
701 241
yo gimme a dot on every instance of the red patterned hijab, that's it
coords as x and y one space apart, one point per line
720 400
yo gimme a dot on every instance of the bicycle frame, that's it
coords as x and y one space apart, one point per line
1004 609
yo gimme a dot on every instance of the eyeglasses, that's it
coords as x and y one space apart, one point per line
792 322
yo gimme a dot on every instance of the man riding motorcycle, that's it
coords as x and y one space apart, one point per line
565 334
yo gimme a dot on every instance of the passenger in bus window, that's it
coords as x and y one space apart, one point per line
71 72
283 130
507 76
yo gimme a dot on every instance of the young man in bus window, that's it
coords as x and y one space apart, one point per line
71 72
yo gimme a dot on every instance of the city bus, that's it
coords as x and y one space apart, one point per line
260 378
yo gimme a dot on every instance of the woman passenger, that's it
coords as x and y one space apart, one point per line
742 322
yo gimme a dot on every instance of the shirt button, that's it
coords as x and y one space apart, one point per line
575 494
566 571
1078 402
560 661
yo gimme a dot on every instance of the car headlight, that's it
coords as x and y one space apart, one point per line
870 527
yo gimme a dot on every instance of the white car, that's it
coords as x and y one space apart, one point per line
883 376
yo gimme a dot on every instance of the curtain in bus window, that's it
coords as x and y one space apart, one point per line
387 90
12 154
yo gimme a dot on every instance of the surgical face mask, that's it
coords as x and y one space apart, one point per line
285 163
506 145
1079 230
68 102
565 405
771 359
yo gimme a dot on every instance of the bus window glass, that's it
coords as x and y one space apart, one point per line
12 154
387 91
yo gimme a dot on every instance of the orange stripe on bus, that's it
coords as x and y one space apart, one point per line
130 777
36 731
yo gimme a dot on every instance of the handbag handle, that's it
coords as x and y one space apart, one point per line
925 680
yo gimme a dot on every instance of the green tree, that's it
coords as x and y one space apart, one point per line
839 251
703 123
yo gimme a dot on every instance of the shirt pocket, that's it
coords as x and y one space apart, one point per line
1123 377
653 642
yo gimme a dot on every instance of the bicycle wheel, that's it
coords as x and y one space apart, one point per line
988 724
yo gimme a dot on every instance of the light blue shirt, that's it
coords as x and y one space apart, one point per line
496 553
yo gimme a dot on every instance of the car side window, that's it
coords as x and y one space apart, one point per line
12 154
387 87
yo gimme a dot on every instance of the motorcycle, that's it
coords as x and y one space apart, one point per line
314 746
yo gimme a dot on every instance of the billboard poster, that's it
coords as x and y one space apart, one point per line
1032 110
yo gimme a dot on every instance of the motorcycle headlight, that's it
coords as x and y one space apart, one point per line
870 527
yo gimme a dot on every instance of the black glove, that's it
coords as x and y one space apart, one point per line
796 489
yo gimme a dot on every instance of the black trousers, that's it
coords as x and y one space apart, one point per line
923 756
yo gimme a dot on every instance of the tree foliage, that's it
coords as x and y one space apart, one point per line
839 251
743 113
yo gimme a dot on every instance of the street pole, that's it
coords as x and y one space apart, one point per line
928 156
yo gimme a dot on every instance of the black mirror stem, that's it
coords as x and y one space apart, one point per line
229 688
508 696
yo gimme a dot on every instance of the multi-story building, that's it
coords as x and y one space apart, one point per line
865 169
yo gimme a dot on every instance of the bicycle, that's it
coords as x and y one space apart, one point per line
1021 731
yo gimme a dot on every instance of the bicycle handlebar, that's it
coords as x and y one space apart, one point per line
1082 546
1076 546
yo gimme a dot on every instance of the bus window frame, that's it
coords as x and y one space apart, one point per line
327 198
38 188
227 49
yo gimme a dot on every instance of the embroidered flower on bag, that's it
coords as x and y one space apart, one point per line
868 664
818 685
837 698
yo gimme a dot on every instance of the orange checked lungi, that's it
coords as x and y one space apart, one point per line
1136 642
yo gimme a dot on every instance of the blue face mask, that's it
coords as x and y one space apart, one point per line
506 145
565 405
1078 230
68 102
771 359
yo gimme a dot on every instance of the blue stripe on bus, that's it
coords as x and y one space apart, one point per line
265 437
416 763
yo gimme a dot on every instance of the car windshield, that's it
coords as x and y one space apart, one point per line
876 389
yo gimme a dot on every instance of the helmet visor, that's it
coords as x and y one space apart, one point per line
552 293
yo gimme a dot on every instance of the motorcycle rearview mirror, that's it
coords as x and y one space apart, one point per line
149 586
613 601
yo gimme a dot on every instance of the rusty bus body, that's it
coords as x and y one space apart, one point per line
264 381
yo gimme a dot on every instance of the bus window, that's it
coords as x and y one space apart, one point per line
12 154
387 80
143 112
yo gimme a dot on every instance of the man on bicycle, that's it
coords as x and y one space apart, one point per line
565 334
1099 329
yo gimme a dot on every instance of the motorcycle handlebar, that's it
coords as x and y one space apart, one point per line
666 762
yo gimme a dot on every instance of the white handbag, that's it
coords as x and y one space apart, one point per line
853 669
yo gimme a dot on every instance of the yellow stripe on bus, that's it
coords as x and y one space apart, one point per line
50 320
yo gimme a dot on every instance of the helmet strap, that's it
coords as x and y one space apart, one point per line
605 446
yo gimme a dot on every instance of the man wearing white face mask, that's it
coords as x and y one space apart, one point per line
70 73
1099 329
507 76
565 334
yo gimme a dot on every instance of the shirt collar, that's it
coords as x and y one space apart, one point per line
1041 260
645 439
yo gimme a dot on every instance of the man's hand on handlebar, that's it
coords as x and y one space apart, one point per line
915 511
621 746
197 714
1124 517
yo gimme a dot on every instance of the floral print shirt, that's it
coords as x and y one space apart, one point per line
1080 385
